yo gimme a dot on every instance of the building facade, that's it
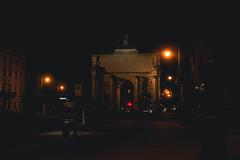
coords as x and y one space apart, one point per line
123 76
12 81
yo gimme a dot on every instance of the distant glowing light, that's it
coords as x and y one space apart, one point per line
61 87
169 77
129 104
167 93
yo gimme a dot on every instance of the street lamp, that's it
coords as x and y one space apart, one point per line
46 80
61 95
169 78
61 88
168 93
162 54
168 54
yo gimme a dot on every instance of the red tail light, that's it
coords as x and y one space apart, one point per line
129 104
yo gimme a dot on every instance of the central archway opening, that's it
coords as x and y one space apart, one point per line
126 95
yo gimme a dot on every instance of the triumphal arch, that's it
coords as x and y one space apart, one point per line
122 74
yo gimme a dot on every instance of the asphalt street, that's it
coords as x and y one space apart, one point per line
128 139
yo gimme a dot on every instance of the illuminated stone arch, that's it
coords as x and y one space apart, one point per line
125 64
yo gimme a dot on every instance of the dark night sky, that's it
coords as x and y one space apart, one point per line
62 36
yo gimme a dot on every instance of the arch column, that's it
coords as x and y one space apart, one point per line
118 93
98 82
157 89
137 89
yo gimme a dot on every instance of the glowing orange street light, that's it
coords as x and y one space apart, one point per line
167 93
61 88
167 54
47 79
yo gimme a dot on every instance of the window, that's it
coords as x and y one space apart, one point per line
9 87
20 89
15 88
9 105
4 86
16 75
4 72
14 105
9 73
4 59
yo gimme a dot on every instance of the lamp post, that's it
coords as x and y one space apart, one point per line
61 88
179 84
46 80
165 54
61 95
169 78
168 54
